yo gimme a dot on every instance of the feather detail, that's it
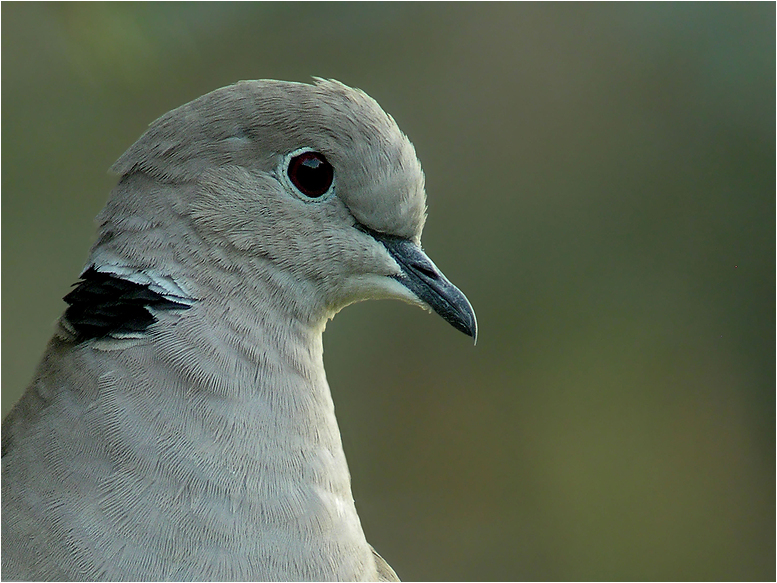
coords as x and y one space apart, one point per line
119 305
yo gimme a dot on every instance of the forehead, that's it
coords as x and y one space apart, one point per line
327 115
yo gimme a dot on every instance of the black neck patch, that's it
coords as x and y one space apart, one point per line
103 304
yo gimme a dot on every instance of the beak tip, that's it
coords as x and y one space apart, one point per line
471 329
465 321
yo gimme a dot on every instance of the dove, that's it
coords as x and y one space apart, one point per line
180 425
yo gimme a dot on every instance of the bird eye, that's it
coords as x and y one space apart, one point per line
311 174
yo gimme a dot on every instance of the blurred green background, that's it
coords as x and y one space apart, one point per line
601 182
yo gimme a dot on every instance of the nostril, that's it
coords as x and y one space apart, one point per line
428 272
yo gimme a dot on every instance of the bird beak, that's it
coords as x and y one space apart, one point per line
422 277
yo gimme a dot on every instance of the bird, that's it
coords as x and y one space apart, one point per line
179 425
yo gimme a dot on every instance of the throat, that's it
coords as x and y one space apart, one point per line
254 406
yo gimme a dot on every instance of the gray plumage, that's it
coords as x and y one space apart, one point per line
180 425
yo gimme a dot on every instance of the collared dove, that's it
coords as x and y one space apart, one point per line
180 425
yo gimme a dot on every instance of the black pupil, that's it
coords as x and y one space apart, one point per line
311 174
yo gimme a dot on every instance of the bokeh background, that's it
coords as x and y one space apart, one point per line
601 182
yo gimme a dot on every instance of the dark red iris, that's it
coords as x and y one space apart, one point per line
311 173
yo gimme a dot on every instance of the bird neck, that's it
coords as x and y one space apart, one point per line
231 393
255 379
258 410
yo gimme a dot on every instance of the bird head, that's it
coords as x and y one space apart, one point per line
312 185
